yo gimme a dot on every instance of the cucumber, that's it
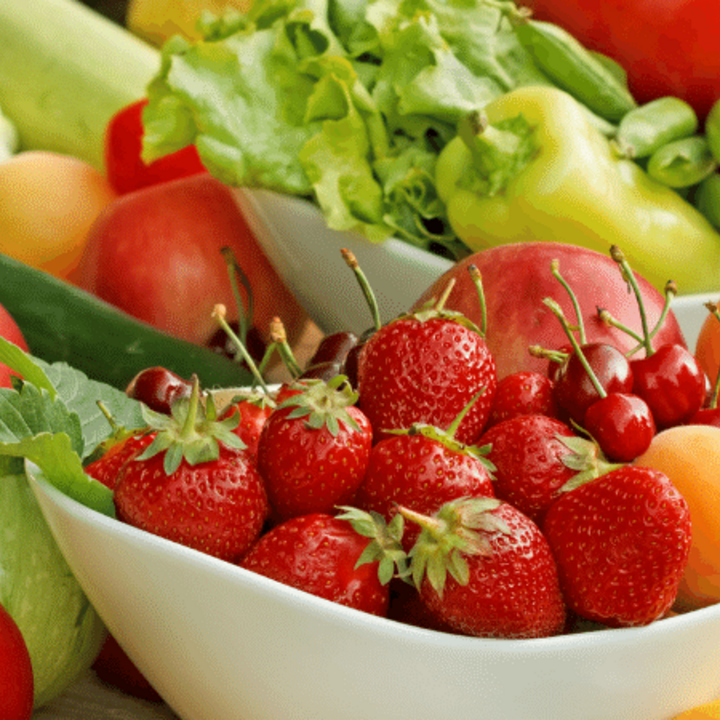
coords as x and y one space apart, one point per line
65 70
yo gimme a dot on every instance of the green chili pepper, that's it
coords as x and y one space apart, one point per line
682 163
647 128
707 198
594 82
537 170
63 323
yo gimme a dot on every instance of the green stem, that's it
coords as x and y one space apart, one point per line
188 427
235 272
610 321
455 424
367 290
476 277
279 338
557 310
440 304
555 269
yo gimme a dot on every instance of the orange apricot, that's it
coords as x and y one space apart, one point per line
707 348
690 456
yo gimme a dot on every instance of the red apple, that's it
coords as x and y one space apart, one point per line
156 254
517 277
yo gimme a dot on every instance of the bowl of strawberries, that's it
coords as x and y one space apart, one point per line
403 530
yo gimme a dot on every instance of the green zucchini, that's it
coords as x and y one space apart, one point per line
65 70
64 323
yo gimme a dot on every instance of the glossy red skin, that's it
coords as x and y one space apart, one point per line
251 421
523 393
419 473
309 470
672 383
513 592
11 332
414 371
107 468
317 553
528 457
517 277
706 416
123 146
675 54
622 424
218 507
621 543
156 254
16 676
158 388
574 390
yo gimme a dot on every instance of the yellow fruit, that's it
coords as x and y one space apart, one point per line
690 456
47 203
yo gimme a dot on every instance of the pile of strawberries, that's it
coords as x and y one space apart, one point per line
396 475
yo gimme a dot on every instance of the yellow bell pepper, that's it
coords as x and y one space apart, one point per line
531 167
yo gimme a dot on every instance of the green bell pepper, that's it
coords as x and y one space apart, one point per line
531 168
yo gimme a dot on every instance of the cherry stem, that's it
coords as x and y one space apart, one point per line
619 257
476 277
219 313
367 290
556 356
278 336
555 269
557 310
235 272
610 321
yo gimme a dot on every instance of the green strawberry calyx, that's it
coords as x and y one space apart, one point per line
191 432
586 458
459 528
324 404
435 309
385 546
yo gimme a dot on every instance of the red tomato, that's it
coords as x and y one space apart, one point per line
668 47
124 167
10 331
16 677
156 254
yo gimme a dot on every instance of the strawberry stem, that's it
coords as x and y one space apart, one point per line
476 277
440 304
555 269
188 427
452 429
557 311
219 313
367 290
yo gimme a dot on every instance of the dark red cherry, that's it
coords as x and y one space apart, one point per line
672 383
158 388
333 348
706 416
574 389
622 425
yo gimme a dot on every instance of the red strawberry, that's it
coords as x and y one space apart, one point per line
116 452
252 411
314 449
523 393
325 556
425 367
485 569
195 484
423 468
534 457
621 543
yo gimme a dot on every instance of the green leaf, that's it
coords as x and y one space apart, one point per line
19 361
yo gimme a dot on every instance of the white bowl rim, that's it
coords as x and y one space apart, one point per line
339 613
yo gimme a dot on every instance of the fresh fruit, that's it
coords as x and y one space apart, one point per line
534 456
10 331
707 346
690 456
319 553
424 367
621 543
50 201
518 277
16 676
522 393
157 254
422 468
485 569
195 483
252 410
123 145
158 388
314 448
106 468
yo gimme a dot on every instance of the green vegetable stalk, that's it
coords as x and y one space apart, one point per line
533 168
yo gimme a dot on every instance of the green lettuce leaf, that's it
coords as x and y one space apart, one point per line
345 102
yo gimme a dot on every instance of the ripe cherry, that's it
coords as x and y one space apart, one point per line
158 388
622 425
523 393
